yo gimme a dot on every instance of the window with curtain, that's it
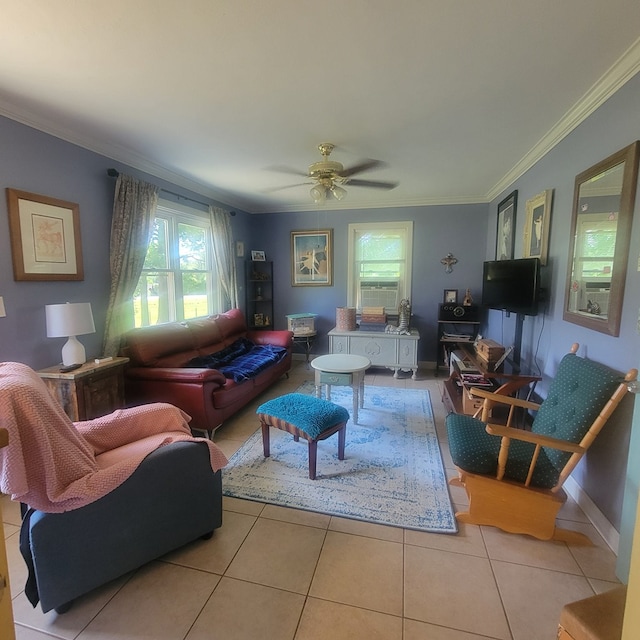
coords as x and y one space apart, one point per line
379 264
178 278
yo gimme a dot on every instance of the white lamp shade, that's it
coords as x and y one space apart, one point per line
68 321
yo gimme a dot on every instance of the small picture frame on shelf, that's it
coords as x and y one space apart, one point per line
258 256
258 319
450 296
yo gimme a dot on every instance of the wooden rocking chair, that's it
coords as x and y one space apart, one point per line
514 477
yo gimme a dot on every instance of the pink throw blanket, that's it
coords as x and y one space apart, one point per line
54 465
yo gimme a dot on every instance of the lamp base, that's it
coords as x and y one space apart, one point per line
73 352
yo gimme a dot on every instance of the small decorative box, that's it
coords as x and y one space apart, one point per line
302 324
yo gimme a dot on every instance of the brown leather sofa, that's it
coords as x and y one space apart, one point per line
159 369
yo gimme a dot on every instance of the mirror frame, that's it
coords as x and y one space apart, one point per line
628 156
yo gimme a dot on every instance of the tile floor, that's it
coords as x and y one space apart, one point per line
283 574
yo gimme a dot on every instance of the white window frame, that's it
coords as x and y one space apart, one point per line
176 214
353 282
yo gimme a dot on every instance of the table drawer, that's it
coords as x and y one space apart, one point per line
335 378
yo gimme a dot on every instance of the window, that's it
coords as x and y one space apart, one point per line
379 262
177 282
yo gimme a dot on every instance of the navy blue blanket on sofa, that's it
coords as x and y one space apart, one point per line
241 360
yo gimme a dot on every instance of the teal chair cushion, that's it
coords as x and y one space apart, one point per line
577 395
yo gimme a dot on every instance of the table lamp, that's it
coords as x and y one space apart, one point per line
68 321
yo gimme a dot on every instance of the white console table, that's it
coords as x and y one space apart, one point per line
392 350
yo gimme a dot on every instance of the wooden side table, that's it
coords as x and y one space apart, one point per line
91 391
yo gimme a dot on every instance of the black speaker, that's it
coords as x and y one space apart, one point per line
450 312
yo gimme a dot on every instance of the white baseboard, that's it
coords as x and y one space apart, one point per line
596 517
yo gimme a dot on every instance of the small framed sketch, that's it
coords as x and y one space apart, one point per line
506 229
450 296
536 228
258 256
45 237
258 320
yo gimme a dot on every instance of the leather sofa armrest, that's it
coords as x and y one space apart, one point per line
276 338
176 374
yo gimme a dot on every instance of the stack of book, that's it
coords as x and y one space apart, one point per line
373 319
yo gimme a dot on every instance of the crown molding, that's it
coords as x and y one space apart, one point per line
627 66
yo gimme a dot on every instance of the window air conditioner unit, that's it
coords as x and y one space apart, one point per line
379 293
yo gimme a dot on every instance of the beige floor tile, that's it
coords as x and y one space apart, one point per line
240 610
215 555
533 598
296 516
360 571
10 529
601 586
69 625
414 630
322 620
24 633
468 540
161 601
17 568
453 590
239 505
523 549
279 554
10 511
596 561
366 529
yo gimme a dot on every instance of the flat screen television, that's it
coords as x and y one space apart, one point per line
512 285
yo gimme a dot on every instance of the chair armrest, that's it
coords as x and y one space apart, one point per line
502 399
534 438
279 338
176 374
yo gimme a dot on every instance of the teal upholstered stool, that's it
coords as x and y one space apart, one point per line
305 417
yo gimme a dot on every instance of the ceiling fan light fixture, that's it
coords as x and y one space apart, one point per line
338 192
318 193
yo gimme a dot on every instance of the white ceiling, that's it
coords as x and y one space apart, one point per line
458 97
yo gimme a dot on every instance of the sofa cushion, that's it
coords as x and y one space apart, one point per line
231 324
153 346
205 333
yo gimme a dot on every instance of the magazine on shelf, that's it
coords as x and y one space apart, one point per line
475 380
460 337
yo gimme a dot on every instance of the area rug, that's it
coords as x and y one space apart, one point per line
392 473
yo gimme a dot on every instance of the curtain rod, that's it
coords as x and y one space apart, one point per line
114 173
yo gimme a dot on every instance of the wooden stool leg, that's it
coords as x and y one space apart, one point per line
265 439
313 457
341 440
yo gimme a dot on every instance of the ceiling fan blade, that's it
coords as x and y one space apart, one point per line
372 183
363 165
282 169
289 186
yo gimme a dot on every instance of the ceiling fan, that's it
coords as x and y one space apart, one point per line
327 175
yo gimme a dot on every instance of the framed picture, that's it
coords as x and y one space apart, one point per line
312 258
45 237
258 256
450 296
536 227
258 319
506 229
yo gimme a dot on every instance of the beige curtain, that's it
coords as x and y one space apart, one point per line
134 208
224 255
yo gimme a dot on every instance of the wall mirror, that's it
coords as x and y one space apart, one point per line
603 204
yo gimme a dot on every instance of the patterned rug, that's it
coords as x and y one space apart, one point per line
392 473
